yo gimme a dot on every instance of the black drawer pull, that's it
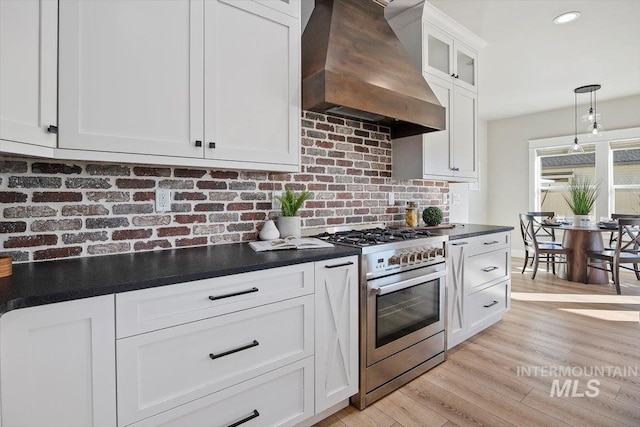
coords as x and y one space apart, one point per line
491 305
235 294
52 129
488 269
491 243
459 243
344 264
235 350
255 414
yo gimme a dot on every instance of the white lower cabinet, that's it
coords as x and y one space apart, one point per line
336 306
278 398
57 364
163 369
479 285
267 348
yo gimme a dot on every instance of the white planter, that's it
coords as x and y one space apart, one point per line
581 221
290 226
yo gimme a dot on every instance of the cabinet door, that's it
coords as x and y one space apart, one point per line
131 78
456 293
336 346
58 364
252 90
438 52
463 133
437 152
466 67
290 7
28 71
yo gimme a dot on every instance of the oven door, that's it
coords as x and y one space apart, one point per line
404 309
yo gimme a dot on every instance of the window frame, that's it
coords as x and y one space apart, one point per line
603 165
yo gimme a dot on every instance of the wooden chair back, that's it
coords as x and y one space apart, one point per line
528 231
543 232
628 238
613 237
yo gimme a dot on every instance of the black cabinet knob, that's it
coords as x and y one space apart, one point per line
198 143
212 145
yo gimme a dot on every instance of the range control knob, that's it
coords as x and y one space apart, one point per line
394 260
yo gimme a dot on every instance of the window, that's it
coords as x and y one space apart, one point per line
626 177
556 167
611 159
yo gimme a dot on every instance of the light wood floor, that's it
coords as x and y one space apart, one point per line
552 322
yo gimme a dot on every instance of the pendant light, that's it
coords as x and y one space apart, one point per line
595 127
576 148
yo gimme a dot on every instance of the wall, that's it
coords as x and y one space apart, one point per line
508 156
57 209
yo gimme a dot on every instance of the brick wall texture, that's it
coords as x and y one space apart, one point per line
57 209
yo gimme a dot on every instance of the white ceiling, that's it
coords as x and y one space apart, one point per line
532 65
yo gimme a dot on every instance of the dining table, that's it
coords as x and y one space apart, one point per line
582 239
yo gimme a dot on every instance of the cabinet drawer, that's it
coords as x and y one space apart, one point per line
161 307
160 370
281 397
488 302
485 268
484 243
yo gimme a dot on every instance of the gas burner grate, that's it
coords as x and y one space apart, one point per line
372 236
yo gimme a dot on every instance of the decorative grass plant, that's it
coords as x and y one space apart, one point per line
290 201
583 193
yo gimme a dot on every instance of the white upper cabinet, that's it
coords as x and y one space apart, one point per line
28 74
252 80
131 77
448 58
197 83
441 47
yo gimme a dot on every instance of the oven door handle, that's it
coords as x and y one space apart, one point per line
398 286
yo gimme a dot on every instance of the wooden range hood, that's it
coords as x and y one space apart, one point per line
354 66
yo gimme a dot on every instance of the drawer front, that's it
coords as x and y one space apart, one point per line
163 369
162 307
488 302
486 268
487 242
281 397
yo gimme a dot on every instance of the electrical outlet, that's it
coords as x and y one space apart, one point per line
455 199
392 199
163 200
275 203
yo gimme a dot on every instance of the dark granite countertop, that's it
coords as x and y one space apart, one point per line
463 231
48 282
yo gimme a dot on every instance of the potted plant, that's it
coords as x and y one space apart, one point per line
289 222
583 193
432 216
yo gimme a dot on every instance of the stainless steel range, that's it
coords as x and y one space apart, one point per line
402 305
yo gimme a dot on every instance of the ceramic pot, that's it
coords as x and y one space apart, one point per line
269 231
583 221
290 226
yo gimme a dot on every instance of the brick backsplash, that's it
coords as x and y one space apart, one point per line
57 209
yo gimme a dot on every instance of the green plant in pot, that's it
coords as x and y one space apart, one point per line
582 196
432 216
289 222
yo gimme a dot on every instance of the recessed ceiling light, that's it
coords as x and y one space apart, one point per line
566 17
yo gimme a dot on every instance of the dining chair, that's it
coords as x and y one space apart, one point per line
615 217
551 252
627 251
544 233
